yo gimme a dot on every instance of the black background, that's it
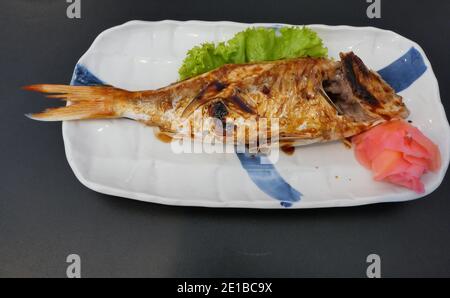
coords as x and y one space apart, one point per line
46 214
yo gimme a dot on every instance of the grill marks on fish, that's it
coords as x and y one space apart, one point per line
219 85
349 61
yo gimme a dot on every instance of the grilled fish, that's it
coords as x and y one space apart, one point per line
313 100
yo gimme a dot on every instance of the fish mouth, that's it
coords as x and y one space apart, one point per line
361 94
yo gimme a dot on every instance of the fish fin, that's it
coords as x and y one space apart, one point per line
162 135
77 111
239 105
86 102
229 96
209 92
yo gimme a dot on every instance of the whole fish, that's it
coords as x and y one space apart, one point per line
313 100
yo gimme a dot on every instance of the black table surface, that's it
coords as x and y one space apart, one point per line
47 214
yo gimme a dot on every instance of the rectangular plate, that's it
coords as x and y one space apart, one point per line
123 158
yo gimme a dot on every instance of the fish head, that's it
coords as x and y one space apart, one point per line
361 93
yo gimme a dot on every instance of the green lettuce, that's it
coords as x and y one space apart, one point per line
253 45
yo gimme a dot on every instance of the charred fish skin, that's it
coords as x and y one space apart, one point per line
375 93
314 99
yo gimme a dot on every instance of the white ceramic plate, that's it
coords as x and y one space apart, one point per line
123 158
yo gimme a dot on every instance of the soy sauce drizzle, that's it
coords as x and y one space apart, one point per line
288 149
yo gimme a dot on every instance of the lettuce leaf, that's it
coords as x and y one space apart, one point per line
253 45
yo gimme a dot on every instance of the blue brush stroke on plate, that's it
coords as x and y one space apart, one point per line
83 77
404 71
267 178
400 74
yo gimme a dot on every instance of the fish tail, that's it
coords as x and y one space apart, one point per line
86 102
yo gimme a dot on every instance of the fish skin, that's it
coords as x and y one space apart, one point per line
314 99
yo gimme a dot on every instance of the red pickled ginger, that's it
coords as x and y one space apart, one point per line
397 152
